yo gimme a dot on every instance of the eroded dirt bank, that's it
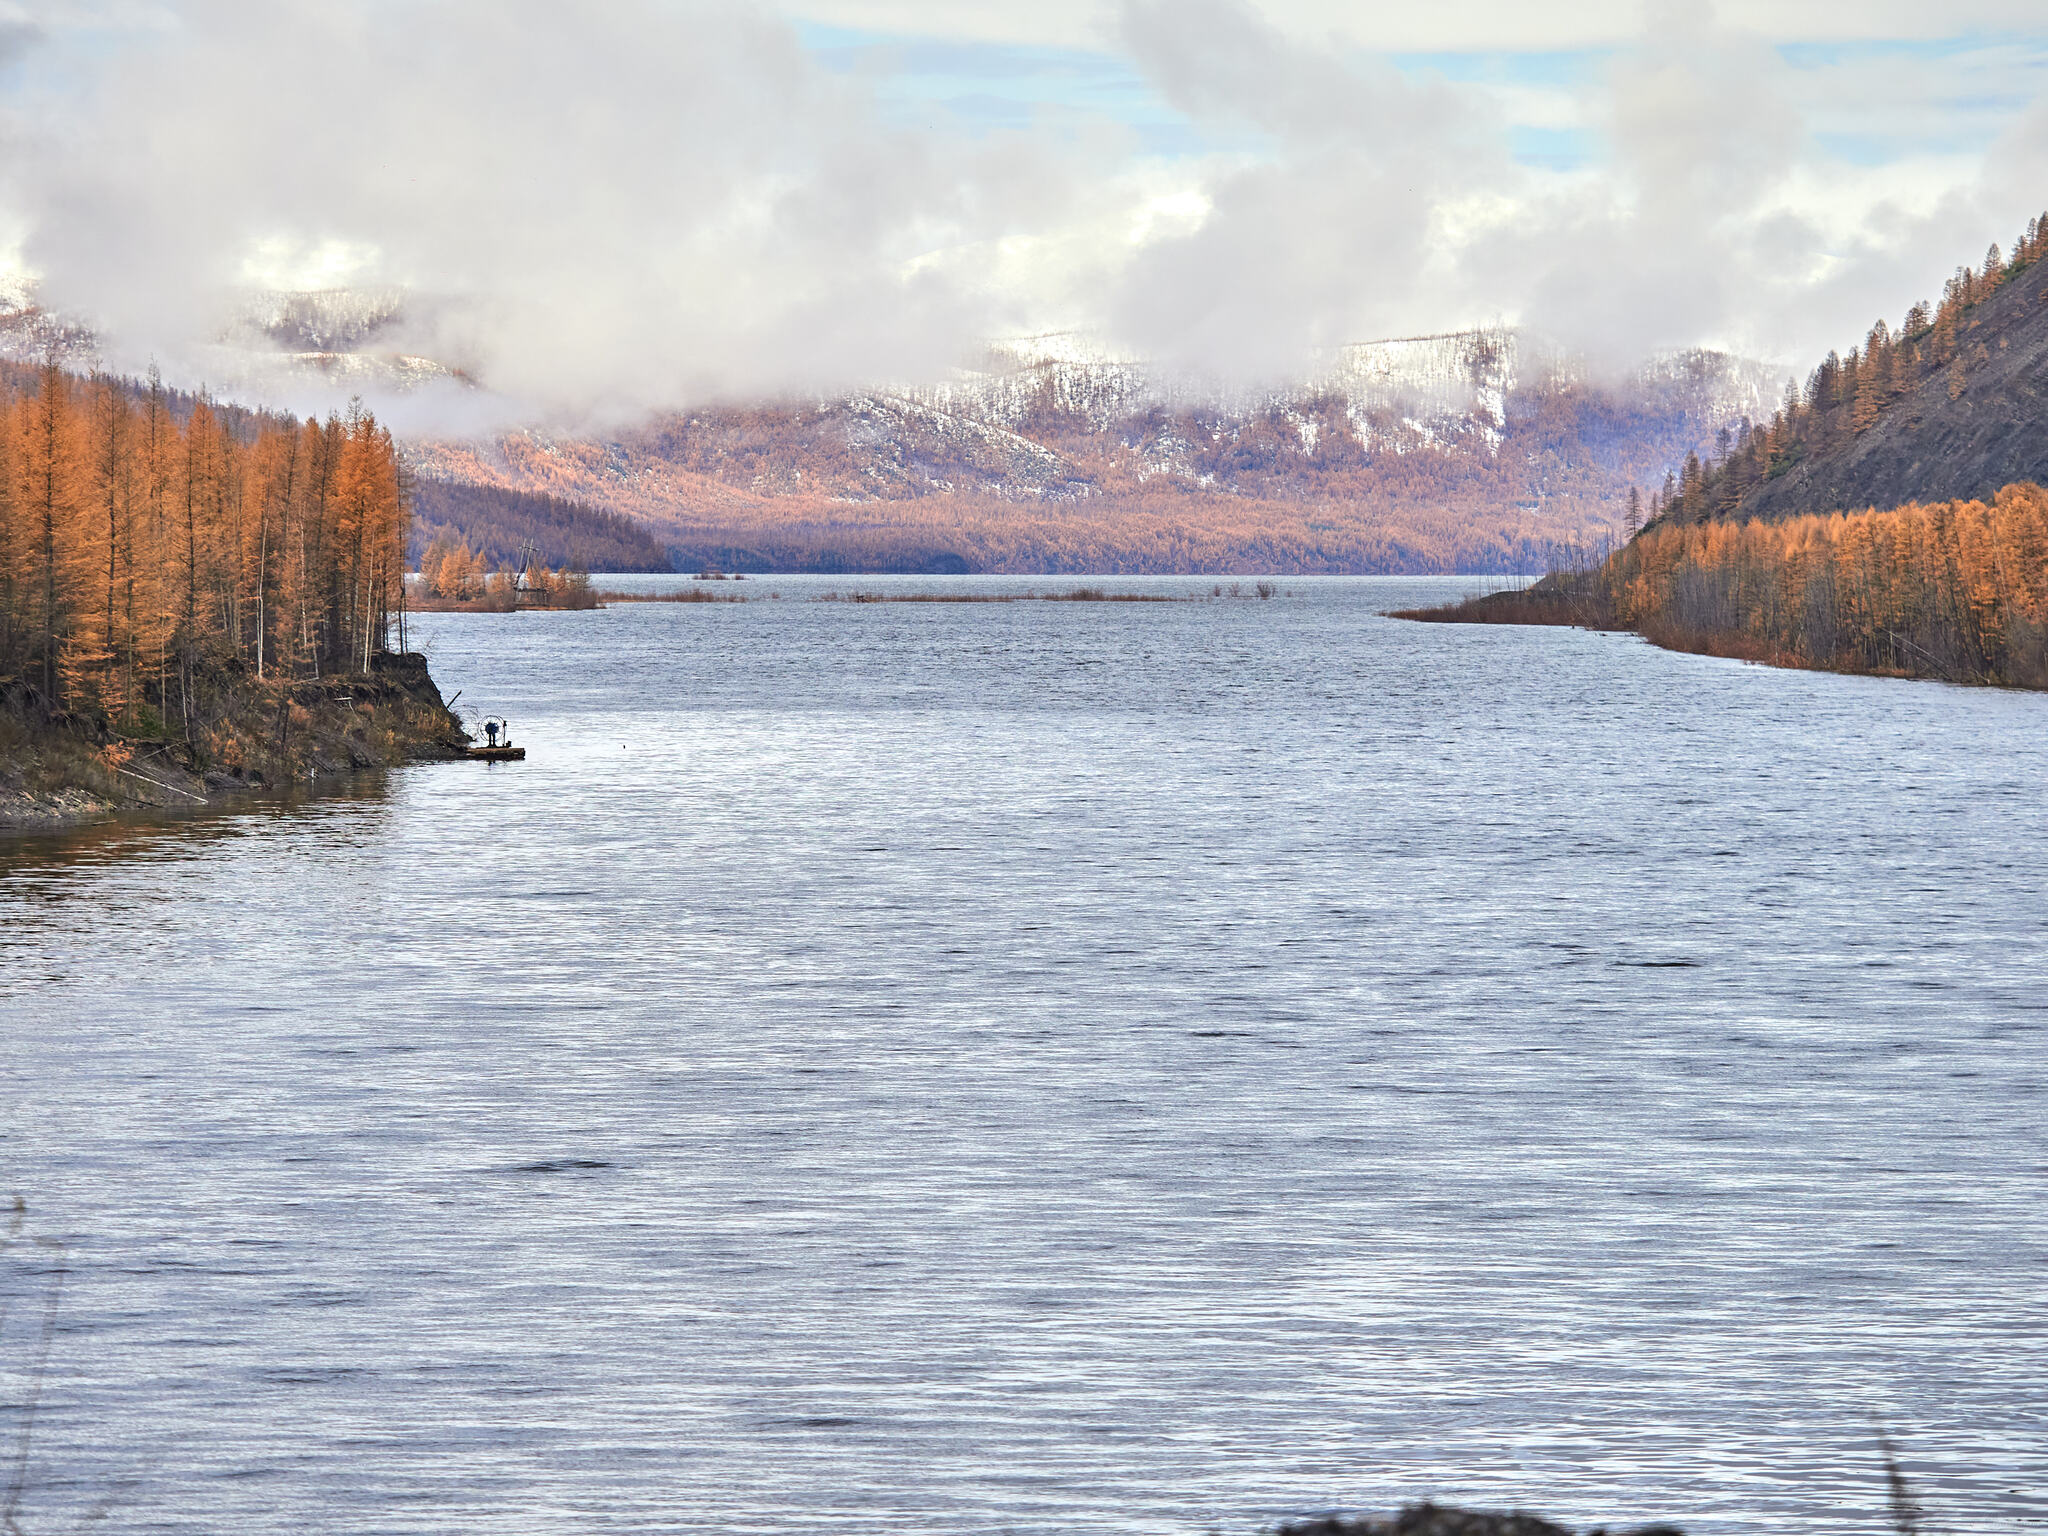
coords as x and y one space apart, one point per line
227 732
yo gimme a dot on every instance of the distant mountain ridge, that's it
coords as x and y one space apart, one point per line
499 526
1472 450
1482 449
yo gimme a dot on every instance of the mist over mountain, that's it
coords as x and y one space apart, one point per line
1479 449
1475 450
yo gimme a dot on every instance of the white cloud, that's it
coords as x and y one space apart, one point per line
1388 203
648 202
599 205
1474 25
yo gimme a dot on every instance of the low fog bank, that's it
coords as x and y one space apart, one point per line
579 215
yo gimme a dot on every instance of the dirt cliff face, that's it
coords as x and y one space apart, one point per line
1966 431
230 733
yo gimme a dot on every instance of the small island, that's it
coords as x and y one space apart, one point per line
455 578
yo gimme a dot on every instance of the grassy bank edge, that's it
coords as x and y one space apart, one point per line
239 734
1579 602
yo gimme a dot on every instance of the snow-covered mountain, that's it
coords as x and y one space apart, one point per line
1473 450
29 333
271 345
1452 388
1502 439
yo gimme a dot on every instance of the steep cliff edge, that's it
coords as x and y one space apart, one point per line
223 733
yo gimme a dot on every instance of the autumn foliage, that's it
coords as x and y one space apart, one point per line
1957 590
1845 395
454 576
145 534
451 569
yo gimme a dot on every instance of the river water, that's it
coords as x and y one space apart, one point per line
1047 1068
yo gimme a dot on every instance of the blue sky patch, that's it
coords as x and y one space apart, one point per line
1965 91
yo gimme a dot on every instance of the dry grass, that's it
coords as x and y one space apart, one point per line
416 604
1564 599
1077 595
423 602
1236 589
608 596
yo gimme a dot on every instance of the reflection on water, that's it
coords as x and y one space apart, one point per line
1054 1068
172 831
117 866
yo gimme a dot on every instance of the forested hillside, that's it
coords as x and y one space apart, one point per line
1888 518
499 524
142 536
1951 404
1954 590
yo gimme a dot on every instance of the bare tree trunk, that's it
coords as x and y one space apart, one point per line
50 385
262 573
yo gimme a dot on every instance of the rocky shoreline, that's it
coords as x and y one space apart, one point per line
233 734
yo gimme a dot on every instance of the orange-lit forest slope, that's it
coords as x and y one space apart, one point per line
170 573
134 544
1938 431
1955 590
1887 519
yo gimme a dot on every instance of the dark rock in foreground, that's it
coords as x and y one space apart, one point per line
1443 1520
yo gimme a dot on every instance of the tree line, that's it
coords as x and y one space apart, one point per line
453 574
500 524
1844 396
143 536
1957 590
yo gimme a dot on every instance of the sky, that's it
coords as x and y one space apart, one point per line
623 205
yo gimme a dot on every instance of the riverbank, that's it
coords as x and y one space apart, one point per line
231 733
1577 602
1734 595
1580 602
